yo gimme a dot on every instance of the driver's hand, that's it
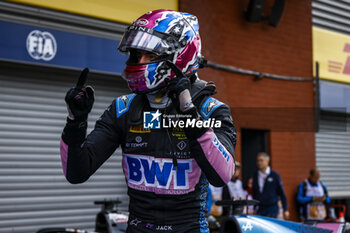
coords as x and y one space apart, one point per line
179 92
79 102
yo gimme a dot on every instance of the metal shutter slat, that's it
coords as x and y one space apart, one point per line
33 191
332 15
332 153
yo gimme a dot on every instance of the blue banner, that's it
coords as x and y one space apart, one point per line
58 48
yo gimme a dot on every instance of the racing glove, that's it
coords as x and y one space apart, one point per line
179 89
179 92
79 103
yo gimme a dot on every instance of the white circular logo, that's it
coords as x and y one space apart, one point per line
41 45
138 139
141 22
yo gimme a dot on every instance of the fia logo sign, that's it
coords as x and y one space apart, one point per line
41 45
151 120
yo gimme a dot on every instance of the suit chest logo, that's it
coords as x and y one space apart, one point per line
157 172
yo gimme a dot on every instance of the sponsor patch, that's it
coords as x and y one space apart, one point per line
179 133
181 145
221 148
137 144
123 104
141 22
138 129
159 175
209 106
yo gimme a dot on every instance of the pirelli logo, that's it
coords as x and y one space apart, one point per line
138 129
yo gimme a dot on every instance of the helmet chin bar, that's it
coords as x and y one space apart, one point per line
163 85
172 66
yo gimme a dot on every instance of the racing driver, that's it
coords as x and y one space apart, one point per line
168 177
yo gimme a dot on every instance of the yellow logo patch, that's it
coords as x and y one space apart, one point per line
179 133
138 129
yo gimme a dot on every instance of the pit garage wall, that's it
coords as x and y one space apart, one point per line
33 191
331 37
268 104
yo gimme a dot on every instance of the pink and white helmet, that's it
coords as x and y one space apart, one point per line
173 36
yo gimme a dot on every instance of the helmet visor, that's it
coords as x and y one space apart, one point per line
138 37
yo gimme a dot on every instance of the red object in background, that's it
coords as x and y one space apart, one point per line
341 217
341 213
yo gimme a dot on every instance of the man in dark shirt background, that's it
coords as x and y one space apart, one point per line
268 189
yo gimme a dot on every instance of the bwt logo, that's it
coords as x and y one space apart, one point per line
221 148
157 172
41 45
151 120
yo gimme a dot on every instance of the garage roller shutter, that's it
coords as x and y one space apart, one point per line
332 15
33 191
333 153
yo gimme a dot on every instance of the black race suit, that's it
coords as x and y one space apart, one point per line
166 194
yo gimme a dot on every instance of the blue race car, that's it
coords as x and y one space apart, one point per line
110 220
238 222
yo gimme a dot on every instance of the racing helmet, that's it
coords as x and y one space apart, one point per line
173 36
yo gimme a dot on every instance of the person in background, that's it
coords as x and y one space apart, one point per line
248 188
215 195
248 193
233 190
313 198
268 189
209 200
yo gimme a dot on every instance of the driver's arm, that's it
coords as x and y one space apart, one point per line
82 157
213 149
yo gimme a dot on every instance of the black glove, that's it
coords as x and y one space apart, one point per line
177 85
179 93
79 103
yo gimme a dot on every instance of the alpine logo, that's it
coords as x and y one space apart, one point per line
41 45
247 226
